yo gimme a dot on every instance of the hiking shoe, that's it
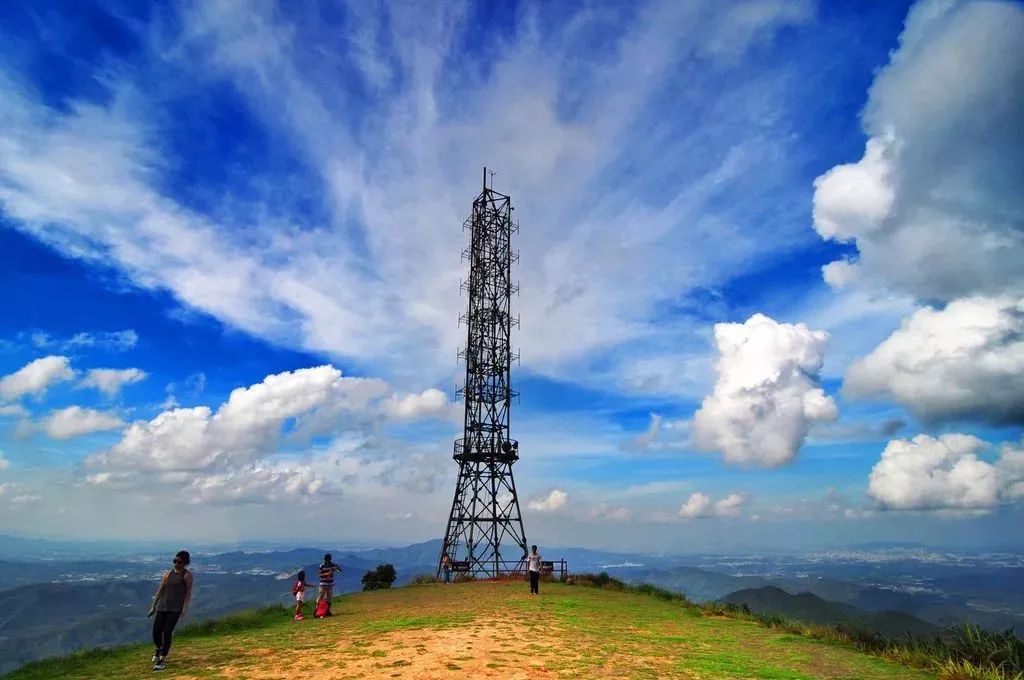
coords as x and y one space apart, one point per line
159 665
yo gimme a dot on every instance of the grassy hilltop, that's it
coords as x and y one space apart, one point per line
498 630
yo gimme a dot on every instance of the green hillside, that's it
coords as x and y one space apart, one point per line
473 630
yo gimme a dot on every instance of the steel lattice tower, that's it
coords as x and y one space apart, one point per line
485 513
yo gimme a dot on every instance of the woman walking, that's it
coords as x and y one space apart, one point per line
170 604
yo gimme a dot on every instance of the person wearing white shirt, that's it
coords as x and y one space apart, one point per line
533 566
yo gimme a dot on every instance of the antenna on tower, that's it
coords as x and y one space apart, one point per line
485 510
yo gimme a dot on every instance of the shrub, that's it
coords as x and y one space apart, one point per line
380 578
659 592
422 579
463 576
602 580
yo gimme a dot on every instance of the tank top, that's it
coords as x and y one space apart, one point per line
173 597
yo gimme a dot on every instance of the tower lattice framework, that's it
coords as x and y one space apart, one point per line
485 527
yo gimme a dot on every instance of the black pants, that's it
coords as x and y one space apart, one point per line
163 626
535 582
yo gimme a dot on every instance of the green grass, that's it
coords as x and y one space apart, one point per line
436 621
485 629
965 652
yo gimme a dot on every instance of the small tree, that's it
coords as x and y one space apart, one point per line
380 578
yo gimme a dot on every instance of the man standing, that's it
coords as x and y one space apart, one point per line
326 589
446 567
533 566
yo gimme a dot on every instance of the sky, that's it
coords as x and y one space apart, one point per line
771 292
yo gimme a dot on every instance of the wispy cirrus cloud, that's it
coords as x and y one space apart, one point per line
374 279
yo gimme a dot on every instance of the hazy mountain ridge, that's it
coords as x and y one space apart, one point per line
810 608
53 606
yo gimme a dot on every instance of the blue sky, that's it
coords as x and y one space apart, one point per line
769 273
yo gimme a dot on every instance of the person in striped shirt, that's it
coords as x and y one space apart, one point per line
326 589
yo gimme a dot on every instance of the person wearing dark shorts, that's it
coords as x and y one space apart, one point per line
533 566
170 604
326 589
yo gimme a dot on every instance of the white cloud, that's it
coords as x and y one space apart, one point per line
767 395
35 377
1011 470
943 473
86 178
259 483
118 341
17 495
934 205
4 463
661 433
429 403
245 427
13 411
556 500
964 361
701 505
75 421
730 506
109 381
602 512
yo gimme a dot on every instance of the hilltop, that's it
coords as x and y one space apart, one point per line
498 630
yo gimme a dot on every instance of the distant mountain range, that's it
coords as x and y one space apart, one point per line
59 600
98 604
939 607
810 608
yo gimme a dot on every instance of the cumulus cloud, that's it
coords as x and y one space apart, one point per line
700 505
249 424
429 403
555 500
963 361
35 377
75 421
767 394
1011 470
934 206
943 473
109 381
13 411
259 483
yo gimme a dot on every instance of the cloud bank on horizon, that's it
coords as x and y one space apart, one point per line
701 271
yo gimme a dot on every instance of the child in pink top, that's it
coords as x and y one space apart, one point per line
299 590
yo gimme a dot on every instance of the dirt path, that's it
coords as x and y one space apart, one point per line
500 631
